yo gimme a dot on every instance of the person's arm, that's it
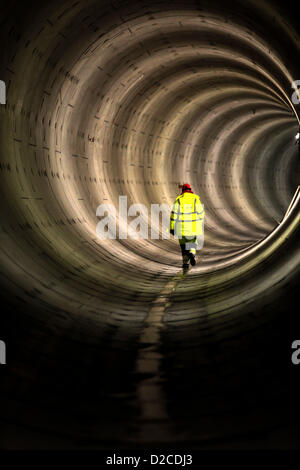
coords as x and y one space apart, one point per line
174 216
199 208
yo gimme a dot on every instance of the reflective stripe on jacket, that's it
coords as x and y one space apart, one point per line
187 215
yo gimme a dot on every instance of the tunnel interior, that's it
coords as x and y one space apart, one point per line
107 343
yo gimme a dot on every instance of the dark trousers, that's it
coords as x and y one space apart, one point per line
186 244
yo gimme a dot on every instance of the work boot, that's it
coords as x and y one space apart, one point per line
192 259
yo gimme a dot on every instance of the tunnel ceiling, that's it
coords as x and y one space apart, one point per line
111 98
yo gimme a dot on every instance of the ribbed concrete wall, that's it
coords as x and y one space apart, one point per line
107 343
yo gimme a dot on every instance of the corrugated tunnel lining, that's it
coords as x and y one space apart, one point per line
119 100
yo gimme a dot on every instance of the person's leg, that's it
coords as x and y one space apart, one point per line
191 248
185 254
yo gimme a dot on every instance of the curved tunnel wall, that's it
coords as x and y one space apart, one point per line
107 99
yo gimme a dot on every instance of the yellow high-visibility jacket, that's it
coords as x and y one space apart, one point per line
187 215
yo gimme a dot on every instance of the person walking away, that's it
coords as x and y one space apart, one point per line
186 223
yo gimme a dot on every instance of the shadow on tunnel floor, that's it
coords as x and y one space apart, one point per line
63 391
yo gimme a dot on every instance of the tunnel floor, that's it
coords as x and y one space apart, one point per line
154 384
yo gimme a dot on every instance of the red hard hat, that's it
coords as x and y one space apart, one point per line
186 187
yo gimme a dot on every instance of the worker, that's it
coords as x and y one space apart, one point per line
186 222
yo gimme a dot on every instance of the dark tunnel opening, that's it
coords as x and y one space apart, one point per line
108 344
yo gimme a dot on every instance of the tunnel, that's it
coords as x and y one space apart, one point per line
108 344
